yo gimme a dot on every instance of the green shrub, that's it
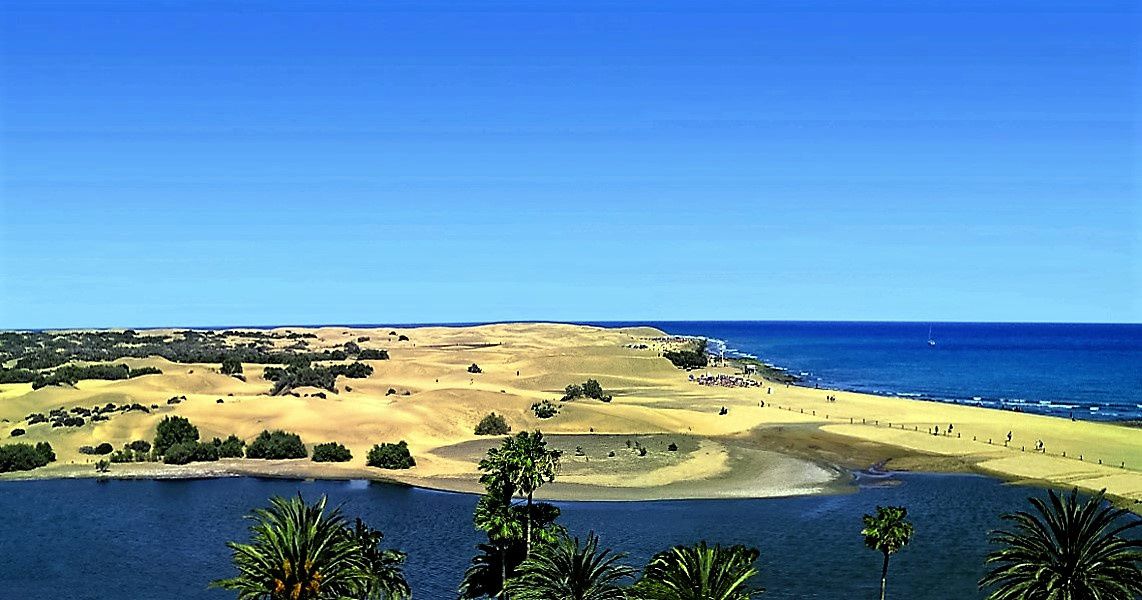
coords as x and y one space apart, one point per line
572 392
174 430
493 424
231 447
331 452
25 457
475 368
102 465
17 432
188 452
545 409
688 359
139 446
231 366
276 445
101 449
391 456
371 354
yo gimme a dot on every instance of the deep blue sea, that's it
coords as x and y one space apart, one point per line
142 540
1088 371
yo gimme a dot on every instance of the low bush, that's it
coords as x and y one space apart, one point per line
187 452
371 354
391 456
331 452
17 432
231 447
492 424
276 445
545 409
475 368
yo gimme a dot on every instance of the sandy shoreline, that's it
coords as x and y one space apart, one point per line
798 443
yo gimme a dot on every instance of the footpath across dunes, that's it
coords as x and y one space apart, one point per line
661 435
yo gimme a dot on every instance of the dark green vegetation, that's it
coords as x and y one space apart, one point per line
474 368
690 358
101 449
25 457
232 447
44 358
545 409
173 430
231 366
887 532
297 375
72 374
331 452
1066 550
303 552
187 452
390 456
492 424
589 389
276 445
566 568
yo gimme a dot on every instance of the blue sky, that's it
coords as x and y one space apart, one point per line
217 163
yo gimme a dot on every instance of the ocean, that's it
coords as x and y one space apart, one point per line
1088 371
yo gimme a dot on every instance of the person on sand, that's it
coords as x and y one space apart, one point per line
1009 437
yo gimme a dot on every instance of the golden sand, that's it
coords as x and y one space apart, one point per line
795 444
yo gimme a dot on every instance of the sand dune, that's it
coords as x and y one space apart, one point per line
437 403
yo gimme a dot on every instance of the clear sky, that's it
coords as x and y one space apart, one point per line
221 163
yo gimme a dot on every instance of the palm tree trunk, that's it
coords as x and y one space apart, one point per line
503 573
884 576
527 540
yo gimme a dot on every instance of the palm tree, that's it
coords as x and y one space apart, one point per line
1066 551
887 532
699 572
494 516
521 465
566 570
301 552
385 576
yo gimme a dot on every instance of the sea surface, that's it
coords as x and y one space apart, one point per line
1088 371
87 539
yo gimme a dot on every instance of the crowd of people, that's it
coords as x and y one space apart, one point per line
722 380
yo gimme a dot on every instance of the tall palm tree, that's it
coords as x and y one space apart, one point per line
522 464
494 516
887 532
385 576
568 570
699 572
301 552
1066 550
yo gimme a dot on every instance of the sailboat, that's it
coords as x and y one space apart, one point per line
931 340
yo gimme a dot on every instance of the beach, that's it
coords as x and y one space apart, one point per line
762 439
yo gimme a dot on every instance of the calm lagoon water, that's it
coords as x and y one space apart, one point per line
116 540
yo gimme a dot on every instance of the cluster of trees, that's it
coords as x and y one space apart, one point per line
136 451
324 377
493 424
331 452
177 443
589 389
231 365
1064 548
72 374
690 358
25 457
545 409
390 456
276 445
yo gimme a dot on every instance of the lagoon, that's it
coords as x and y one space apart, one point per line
87 539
